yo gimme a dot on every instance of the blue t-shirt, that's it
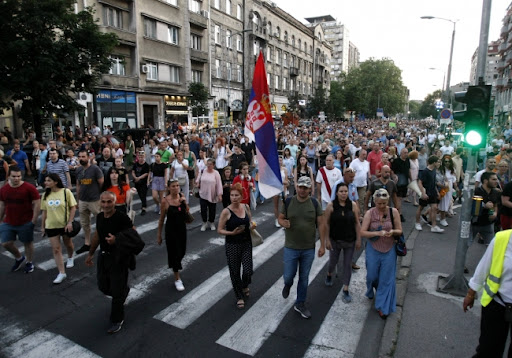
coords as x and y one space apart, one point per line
20 157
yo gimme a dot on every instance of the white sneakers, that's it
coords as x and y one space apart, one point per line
203 227
437 229
60 277
277 224
418 227
179 285
212 226
444 222
70 262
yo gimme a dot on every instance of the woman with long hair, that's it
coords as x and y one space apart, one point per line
447 179
341 226
246 181
129 151
415 170
290 164
303 170
381 225
115 183
178 170
311 155
157 180
338 160
227 179
174 207
235 223
58 204
191 171
210 193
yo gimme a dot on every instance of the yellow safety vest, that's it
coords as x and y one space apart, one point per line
492 284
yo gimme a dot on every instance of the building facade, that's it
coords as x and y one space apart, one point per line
503 98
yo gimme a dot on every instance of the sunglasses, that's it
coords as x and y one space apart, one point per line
381 195
142 152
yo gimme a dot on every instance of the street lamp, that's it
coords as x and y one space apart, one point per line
454 22
444 76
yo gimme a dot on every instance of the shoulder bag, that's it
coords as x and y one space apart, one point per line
400 247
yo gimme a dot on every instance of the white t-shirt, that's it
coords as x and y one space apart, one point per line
362 170
478 176
431 138
332 175
446 150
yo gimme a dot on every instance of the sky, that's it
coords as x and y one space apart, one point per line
393 29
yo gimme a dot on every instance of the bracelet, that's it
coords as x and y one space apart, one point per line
471 296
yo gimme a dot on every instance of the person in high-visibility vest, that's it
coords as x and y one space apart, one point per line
493 277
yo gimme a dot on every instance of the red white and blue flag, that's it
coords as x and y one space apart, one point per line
259 128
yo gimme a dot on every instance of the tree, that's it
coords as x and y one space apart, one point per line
375 84
198 99
414 109
428 107
49 54
336 102
317 103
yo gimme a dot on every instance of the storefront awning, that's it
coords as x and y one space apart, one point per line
175 112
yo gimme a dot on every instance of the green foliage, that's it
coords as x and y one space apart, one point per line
48 54
318 102
375 83
198 99
336 102
428 107
414 109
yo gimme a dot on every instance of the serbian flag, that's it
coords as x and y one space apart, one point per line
259 128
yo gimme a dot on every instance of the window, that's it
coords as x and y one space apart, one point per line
175 74
269 54
152 71
172 2
292 63
286 36
217 34
218 73
269 28
278 32
276 84
239 73
195 42
194 6
305 46
239 43
117 66
173 35
293 40
114 17
216 4
284 84
228 70
196 75
149 28
228 38
228 7
285 60
268 79
256 21
300 44
239 12
256 48
278 57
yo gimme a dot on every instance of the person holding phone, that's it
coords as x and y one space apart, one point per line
235 223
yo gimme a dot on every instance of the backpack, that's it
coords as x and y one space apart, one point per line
288 201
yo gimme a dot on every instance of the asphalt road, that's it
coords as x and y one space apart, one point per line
40 319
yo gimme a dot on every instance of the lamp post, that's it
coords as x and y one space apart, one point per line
449 75
444 79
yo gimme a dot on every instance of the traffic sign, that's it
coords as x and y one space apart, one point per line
446 113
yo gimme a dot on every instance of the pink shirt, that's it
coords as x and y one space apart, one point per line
374 159
383 243
210 186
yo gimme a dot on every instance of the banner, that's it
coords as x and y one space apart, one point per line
259 128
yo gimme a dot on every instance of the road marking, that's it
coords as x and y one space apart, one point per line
18 341
184 312
341 329
249 333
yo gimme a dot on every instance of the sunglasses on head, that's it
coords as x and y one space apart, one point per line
381 195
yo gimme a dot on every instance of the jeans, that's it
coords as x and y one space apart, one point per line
381 275
303 259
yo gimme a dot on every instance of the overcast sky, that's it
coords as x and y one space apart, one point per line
393 29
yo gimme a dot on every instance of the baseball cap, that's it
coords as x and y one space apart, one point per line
304 181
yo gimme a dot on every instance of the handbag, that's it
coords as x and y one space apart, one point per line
400 247
76 227
189 218
256 238
182 180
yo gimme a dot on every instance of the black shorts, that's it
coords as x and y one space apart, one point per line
430 200
55 232
401 191
191 174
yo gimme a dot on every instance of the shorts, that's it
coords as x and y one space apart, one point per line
55 232
158 183
25 232
401 191
486 231
430 200
191 174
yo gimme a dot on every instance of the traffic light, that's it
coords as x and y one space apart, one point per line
476 116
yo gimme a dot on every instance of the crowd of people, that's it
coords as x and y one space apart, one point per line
346 181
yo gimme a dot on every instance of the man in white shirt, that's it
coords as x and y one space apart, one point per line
447 148
490 165
362 168
325 179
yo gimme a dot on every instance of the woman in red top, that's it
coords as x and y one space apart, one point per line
117 185
247 182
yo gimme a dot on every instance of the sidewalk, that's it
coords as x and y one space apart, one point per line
429 323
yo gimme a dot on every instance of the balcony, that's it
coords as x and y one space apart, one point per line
502 47
509 57
504 30
125 37
199 56
199 19
119 82
294 71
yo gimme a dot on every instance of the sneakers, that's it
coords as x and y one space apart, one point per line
418 227
203 227
116 327
17 264
157 209
82 249
60 277
277 224
70 262
437 229
346 297
286 291
142 213
179 285
212 227
443 222
29 267
328 281
425 220
302 309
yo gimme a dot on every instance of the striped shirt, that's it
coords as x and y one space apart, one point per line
60 167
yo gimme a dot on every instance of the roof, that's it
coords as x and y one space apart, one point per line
320 19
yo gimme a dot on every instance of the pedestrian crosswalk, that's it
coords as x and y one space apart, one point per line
247 334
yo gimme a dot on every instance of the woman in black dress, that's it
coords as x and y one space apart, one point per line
175 208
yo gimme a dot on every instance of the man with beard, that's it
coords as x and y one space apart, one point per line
89 180
490 165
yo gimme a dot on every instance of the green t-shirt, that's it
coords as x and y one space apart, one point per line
302 232
165 154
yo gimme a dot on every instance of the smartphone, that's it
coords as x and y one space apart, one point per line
242 227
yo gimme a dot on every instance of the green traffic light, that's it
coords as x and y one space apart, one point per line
473 138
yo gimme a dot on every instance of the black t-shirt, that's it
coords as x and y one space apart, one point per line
105 164
159 169
493 196
248 149
140 169
113 225
507 191
428 180
236 160
401 168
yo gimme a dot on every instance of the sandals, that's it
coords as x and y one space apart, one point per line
246 292
240 304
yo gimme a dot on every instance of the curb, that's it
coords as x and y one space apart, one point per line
389 337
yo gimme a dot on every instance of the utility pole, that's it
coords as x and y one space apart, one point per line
456 284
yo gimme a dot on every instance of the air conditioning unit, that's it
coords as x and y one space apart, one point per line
145 69
205 13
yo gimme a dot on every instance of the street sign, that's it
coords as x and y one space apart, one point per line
446 113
